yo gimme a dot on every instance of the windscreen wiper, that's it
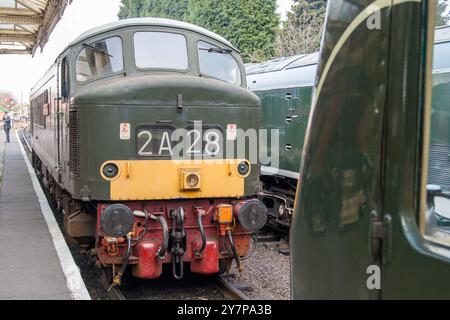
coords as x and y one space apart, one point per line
97 49
217 50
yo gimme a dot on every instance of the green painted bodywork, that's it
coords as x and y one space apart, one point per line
275 110
340 171
138 97
361 163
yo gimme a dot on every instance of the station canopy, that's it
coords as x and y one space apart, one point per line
26 25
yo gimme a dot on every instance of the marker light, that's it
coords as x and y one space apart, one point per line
243 168
110 170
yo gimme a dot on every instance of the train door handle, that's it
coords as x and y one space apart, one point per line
288 147
288 96
387 242
380 238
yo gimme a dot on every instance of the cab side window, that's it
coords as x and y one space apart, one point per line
436 221
99 59
64 80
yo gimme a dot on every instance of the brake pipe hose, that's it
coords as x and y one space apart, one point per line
163 249
118 278
236 256
199 252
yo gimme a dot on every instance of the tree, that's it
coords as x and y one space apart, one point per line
302 31
250 25
7 99
442 16
172 9
130 9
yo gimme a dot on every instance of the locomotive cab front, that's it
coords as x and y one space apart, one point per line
155 148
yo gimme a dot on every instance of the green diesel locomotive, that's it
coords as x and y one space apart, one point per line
361 224
131 133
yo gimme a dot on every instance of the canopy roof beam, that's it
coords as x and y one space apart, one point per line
16 11
15 51
29 22
20 19
35 6
9 38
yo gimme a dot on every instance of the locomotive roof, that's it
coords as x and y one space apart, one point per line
297 71
160 22
282 63
271 65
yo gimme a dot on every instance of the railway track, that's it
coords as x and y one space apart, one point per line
216 286
27 144
228 289
114 293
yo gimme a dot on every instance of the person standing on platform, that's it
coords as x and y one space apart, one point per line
7 126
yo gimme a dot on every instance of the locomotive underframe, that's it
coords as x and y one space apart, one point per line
278 195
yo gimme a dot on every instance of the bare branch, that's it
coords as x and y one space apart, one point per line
300 34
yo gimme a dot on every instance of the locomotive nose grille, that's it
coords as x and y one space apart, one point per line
74 143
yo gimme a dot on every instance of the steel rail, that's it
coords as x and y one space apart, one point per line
114 293
25 139
229 290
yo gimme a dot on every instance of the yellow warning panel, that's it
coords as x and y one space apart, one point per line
161 179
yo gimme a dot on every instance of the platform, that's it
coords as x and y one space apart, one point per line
35 260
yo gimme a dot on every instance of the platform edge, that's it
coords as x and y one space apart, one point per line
74 281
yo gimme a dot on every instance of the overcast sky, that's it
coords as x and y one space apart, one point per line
18 73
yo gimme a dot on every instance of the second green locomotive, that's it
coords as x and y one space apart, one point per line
285 87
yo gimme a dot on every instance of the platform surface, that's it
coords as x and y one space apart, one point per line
30 267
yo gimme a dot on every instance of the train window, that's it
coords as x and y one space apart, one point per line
160 50
99 59
436 222
64 82
218 63
441 58
38 108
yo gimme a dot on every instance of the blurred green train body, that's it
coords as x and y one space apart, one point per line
363 202
285 87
